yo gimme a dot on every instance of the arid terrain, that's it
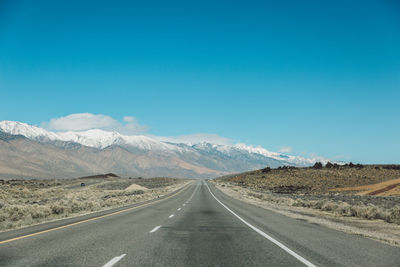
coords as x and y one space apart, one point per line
27 202
347 179
349 194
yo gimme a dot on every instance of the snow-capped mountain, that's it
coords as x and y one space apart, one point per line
143 154
92 138
29 131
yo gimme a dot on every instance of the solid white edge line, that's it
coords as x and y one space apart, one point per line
276 242
170 216
114 261
155 229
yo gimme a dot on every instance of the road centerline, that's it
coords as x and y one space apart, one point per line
114 261
155 229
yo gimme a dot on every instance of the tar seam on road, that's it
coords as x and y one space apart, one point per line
155 229
89 220
114 261
276 242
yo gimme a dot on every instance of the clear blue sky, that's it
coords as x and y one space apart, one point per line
319 76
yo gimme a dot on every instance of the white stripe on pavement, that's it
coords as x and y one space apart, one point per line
155 229
276 242
114 261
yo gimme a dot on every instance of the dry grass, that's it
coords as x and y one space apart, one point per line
30 202
342 208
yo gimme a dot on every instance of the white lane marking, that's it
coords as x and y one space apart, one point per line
194 192
179 209
155 229
184 204
276 242
114 261
170 216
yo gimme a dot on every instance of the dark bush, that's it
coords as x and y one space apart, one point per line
329 165
57 209
266 170
286 167
391 167
335 165
318 165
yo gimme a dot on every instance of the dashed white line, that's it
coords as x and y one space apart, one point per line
114 261
183 204
179 209
170 216
276 242
155 229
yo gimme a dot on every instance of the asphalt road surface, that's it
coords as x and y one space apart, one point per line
196 226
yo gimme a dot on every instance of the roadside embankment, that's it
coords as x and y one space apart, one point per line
354 215
28 202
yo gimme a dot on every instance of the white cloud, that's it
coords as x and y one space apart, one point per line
129 119
196 138
285 149
87 121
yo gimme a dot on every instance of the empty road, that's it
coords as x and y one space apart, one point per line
196 226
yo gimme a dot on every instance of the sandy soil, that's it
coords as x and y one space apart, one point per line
387 188
134 187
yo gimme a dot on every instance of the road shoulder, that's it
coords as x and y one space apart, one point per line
375 229
65 222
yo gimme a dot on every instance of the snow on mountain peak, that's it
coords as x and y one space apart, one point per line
93 138
27 130
101 139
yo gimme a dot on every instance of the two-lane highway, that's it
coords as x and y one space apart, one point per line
198 226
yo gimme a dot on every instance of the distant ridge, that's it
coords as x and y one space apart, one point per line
33 152
107 175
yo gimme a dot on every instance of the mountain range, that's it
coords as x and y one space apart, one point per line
28 151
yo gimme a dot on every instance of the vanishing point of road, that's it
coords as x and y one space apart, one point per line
195 226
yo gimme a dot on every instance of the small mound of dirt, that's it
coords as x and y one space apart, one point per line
135 187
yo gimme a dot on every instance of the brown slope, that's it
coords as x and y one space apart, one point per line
22 157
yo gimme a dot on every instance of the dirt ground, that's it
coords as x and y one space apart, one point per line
387 188
381 179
